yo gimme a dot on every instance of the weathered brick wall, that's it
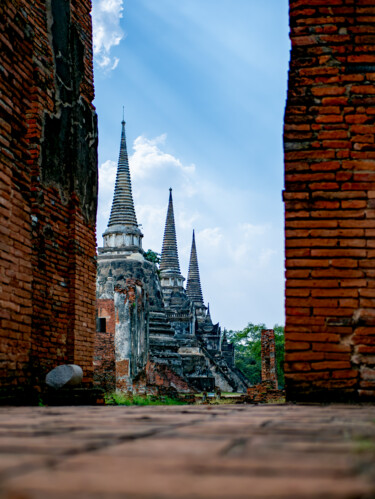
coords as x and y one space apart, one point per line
104 351
264 393
159 379
121 352
330 201
268 355
48 189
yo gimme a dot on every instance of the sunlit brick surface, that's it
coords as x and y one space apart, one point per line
330 201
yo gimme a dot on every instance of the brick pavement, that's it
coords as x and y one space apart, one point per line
265 451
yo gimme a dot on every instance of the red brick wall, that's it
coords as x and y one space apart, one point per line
104 354
47 190
120 355
268 352
329 140
159 379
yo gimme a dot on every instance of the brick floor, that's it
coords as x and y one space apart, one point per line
229 452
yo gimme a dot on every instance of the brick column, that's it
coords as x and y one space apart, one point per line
268 357
329 144
48 191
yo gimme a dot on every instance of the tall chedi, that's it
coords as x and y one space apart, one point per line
180 309
170 274
122 341
193 285
123 231
207 331
129 297
178 306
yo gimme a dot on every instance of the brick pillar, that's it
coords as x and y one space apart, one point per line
48 191
268 357
329 145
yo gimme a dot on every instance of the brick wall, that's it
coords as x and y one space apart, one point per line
268 352
48 189
104 352
121 352
159 379
329 196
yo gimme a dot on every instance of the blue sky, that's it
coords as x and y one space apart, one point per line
203 83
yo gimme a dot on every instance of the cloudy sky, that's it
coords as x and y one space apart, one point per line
203 83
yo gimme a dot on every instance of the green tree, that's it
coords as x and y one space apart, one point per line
248 351
152 256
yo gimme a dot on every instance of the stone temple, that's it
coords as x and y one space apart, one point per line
152 333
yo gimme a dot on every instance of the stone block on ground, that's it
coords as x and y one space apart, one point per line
64 375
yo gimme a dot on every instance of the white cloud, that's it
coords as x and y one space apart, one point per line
211 237
240 258
250 230
107 178
107 33
148 159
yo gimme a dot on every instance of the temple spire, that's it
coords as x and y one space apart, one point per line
208 315
193 286
169 255
123 231
123 212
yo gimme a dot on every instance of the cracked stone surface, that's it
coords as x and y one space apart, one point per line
231 452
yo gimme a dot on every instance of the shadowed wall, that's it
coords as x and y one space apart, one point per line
48 190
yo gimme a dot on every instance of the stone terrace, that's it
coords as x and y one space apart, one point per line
269 451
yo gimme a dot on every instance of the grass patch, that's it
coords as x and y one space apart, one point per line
120 398
364 444
277 400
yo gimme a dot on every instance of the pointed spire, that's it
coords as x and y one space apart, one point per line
169 255
208 315
123 233
193 286
123 212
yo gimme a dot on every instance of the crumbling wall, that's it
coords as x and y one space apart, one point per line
329 196
48 190
104 351
121 350
268 355
131 332
160 379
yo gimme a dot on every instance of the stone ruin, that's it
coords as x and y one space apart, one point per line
267 390
268 353
151 332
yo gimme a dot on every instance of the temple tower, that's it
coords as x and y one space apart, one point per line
129 297
179 308
122 340
123 233
193 286
208 332
172 281
170 274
